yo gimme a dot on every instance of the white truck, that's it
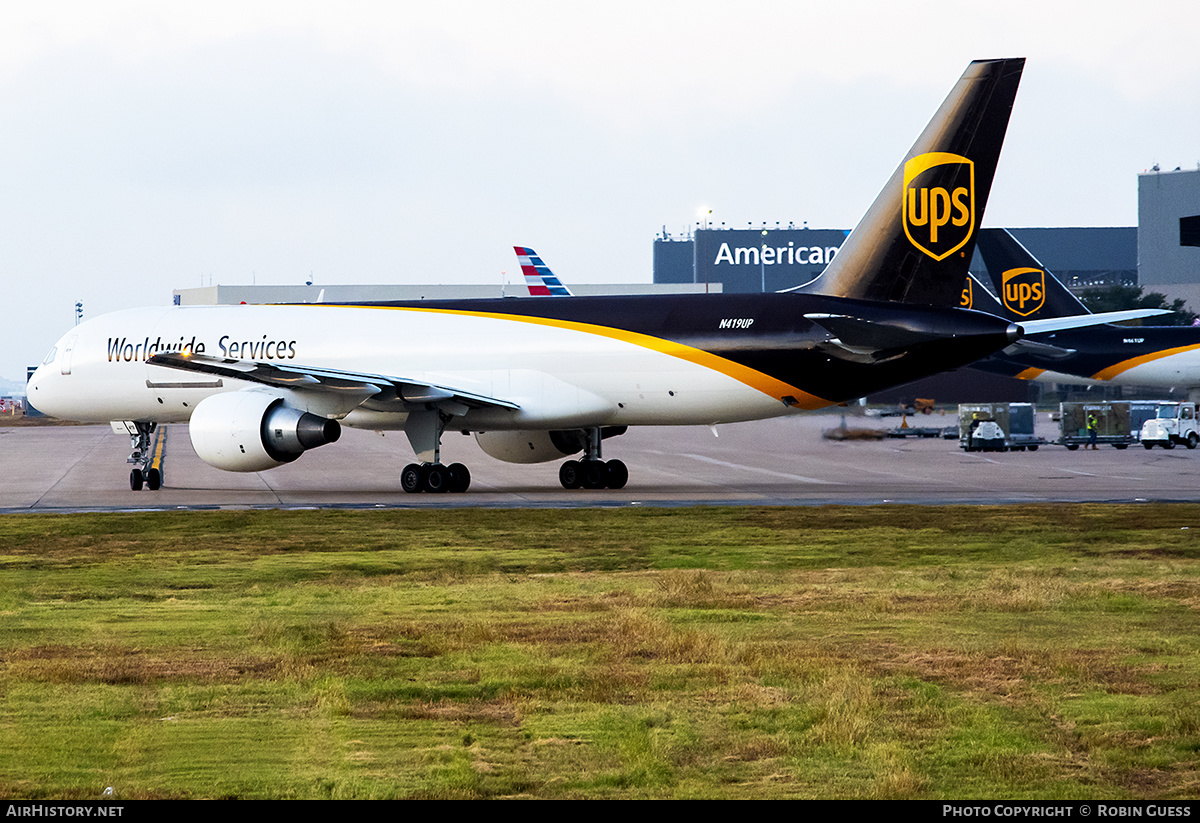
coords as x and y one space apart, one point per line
1174 423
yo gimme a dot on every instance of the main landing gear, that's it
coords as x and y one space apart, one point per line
143 473
434 477
592 472
424 430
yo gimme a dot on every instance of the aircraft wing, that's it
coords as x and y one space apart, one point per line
381 391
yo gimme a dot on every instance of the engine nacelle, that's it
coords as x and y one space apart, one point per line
249 431
538 446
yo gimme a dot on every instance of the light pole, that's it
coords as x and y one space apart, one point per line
762 261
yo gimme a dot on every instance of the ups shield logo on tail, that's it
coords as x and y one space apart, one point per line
1023 290
939 202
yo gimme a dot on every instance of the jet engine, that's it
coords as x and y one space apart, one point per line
249 431
538 446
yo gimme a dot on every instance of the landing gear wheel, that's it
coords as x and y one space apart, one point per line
436 479
410 478
570 475
135 480
153 479
618 474
460 477
594 474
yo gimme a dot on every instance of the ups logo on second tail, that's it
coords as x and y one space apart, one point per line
1023 290
968 295
939 202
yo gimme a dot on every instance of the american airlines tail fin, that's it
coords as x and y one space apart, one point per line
1026 289
916 241
538 277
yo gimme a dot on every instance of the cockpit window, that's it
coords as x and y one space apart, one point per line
51 355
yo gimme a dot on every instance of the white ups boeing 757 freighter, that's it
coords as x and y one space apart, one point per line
540 380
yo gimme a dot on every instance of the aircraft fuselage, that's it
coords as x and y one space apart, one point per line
588 361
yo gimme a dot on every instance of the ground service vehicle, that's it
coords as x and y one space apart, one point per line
1174 423
997 427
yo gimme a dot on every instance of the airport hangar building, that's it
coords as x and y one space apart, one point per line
771 259
1161 254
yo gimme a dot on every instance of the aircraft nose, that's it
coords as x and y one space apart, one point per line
33 387
40 390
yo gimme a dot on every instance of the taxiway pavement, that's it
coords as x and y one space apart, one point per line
774 462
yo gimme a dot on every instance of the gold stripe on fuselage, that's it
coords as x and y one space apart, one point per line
753 378
1125 365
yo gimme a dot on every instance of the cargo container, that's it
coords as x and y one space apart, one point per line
997 427
1113 425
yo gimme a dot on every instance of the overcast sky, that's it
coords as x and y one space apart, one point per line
149 146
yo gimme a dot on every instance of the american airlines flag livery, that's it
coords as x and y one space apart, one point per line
538 277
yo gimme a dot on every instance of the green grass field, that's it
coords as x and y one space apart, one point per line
866 652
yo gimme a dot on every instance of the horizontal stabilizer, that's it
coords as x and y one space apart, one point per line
869 342
1082 320
1032 347
868 336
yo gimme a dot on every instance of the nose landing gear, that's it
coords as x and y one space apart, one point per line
146 456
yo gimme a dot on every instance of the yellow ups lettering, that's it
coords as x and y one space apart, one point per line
1024 290
1019 294
968 297
918 218
939 201
938 211
964 210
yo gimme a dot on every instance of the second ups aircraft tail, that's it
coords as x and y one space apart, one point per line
1026 290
